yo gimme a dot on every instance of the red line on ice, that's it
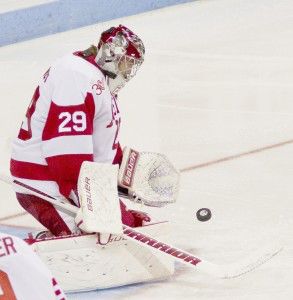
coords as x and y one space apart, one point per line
198 166
235 156
13 216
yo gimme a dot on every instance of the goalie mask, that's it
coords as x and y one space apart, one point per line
120 54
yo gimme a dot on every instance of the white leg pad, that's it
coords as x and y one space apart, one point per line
81 263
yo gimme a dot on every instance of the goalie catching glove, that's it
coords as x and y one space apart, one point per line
148 177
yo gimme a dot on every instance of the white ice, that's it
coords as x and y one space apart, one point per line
217 82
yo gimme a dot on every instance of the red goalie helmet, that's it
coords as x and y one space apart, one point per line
120 54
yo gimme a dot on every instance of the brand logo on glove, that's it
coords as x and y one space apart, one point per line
129 172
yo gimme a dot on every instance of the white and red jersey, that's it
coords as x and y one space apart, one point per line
72 118
22 274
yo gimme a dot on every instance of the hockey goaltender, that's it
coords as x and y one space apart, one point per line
67 160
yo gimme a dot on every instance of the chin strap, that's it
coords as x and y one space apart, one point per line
109 74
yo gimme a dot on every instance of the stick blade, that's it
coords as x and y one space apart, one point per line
238 269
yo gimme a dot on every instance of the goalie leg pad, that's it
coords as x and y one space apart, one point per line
82 263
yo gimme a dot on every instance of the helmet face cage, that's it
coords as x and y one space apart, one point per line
128 66
121 53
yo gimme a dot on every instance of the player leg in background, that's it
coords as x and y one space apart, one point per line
56 221
133 218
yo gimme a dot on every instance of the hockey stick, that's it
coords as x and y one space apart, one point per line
221 271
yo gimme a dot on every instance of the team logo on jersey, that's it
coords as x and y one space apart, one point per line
98 87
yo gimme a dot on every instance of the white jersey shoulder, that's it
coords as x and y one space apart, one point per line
71 78
22 274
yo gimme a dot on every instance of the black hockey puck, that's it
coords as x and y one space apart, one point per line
203 214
